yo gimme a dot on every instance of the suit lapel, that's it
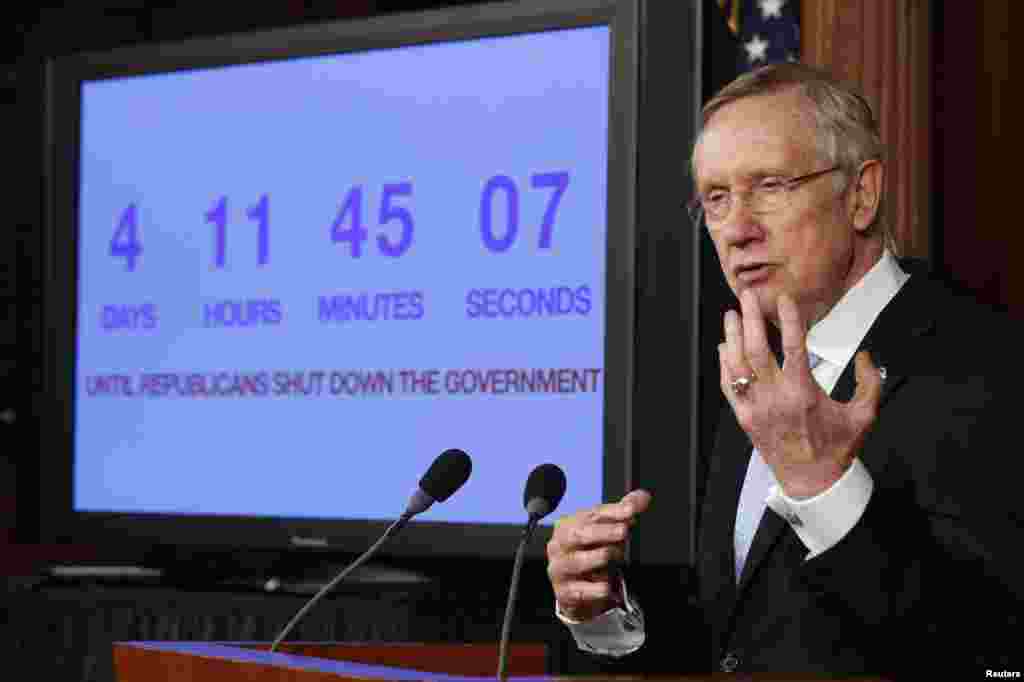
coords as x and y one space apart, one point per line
728 468
898 340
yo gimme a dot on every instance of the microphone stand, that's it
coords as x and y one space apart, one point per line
449 471
513 591
392 529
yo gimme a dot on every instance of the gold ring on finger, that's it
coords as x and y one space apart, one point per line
741 385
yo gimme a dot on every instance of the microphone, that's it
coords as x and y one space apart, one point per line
545 487
448 472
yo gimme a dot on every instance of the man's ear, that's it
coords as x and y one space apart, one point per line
866 194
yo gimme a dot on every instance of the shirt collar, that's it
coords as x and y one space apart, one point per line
836 337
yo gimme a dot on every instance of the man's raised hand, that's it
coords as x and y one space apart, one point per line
808 439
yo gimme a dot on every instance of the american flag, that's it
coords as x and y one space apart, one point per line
767 30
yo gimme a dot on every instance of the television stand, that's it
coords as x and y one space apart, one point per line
267 572
114 572
370 574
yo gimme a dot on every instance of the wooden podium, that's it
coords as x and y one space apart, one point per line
306 662
330 662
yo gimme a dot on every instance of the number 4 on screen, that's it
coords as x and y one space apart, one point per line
125 242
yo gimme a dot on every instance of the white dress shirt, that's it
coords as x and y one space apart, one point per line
820 521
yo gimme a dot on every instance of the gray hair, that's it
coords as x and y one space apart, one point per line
846 130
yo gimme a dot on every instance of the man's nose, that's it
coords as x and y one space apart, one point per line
740 226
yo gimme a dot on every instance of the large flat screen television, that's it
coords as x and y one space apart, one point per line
286 269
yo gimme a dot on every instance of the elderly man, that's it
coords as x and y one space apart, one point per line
859 511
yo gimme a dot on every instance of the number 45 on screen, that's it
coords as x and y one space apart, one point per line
349 226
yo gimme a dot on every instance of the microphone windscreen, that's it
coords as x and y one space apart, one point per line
449 471
546 482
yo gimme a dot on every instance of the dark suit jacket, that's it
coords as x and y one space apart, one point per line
931 577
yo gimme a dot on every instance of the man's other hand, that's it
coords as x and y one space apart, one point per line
583 552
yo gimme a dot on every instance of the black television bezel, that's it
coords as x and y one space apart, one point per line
627 19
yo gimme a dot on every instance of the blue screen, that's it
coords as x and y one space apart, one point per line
300 281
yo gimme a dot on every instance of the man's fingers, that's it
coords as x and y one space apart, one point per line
605 524
625 510
635 502
869 385
735 357
591 564
755 338
584 599
794 335
724 375
579 593
578 535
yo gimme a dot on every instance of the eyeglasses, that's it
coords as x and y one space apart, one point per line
767 196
